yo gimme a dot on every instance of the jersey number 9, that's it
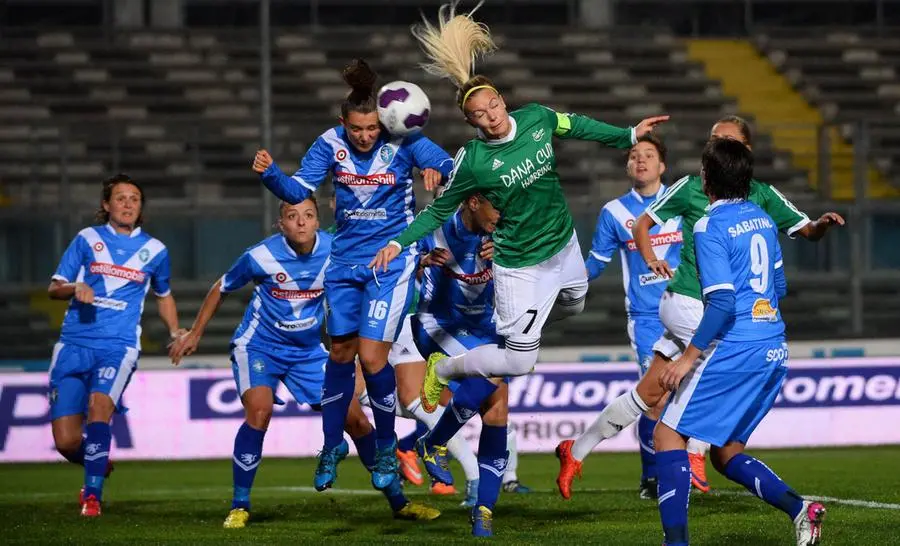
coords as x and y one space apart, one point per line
759 263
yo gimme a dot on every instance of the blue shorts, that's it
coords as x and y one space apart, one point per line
76 372
727 395
301 370
367 302
643 331
432 337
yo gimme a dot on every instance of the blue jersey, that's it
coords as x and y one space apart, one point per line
373 190
736 245
120 269
643 288
288 302
459 294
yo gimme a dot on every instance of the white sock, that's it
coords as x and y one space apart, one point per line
512 461
486 361
489 361
697 446
620 413
458 447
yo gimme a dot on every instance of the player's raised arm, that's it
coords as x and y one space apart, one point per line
793 221
580 127
461 185
294 189
436 164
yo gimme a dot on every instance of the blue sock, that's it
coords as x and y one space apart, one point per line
78 456
408 442
765 484
467 399
337 393
96 457
365 447
394 494
648 453
492 459
674 474
381 387
248 444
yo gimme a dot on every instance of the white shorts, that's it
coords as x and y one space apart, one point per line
524 297
681 316
404 350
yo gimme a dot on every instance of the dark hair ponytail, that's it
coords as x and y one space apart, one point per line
361 79
102 216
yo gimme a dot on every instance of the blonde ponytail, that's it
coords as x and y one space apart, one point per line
453 46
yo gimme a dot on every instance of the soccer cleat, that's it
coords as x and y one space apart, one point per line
109 469
471 494
409 467
90 508
386 466
415 511
513 486
482 522
568 468
808 524
432 387
436 461
438 488
237 519
649 488
698 472
326 470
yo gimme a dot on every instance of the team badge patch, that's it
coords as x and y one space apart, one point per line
144 255
98 246
386 153
341 154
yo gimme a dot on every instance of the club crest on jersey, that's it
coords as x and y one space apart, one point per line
144 255
629 223
538 135
281 276
386 153
341 154
98 246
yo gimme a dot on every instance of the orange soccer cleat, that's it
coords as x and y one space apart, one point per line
569 467
698 472
90 508
409 466
438 488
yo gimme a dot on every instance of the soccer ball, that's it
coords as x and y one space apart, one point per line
403 108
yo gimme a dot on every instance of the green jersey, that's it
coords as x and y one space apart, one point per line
686 199
517 174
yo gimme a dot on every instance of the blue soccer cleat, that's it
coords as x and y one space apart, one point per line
386 466
437 463
513 486
482 522
471 494
326 471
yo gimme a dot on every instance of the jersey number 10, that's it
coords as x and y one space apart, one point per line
759 263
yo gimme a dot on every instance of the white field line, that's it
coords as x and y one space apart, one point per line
225 491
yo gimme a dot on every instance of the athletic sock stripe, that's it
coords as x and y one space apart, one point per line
523 348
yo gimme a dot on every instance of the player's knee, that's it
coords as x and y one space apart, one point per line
100 408
521 362
67 443
344 348
571 303
259 416
496 413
